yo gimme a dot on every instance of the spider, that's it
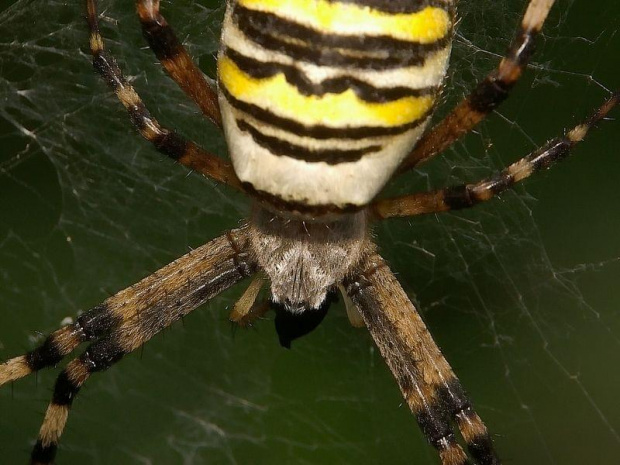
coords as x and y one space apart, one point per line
304 242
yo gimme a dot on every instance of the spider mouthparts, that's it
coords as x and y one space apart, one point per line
294 320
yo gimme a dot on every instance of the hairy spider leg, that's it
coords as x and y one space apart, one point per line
127 320
428 384
246 310
468 195
178 291
168 142
123 306
176 61
488 94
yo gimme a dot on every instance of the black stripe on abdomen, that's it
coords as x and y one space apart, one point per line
336 85
396 6
324 49
281 147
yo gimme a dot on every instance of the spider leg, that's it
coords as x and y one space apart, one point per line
246 310
175 59
488 94
153 292
170 294
468 195
428 384
58 344
167 142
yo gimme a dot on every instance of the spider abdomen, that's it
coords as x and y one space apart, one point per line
322 99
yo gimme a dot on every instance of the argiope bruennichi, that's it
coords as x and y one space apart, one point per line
322 102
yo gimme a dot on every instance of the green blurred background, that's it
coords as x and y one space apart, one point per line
522 294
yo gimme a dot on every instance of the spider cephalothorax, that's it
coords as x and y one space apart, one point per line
321 101
305 259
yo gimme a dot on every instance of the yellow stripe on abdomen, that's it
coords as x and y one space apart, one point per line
425 26
336 110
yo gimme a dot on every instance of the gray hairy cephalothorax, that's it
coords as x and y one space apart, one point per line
304 259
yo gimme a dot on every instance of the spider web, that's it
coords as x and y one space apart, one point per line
521 293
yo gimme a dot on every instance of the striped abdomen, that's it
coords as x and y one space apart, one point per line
322 99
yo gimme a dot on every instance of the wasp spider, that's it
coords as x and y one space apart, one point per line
322 102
